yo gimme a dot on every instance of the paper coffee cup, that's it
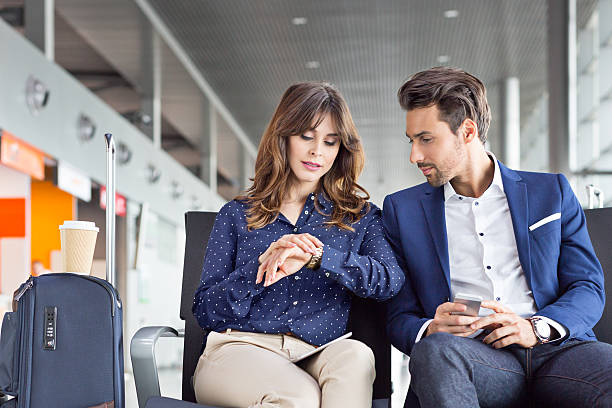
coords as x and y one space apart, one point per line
78 243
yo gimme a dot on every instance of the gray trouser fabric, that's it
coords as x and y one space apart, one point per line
457 372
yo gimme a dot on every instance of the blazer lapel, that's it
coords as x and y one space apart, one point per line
433 207
516 194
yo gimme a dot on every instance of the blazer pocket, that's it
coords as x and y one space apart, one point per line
546 231
544 221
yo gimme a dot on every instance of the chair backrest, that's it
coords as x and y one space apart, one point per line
198 226
366 320
599 224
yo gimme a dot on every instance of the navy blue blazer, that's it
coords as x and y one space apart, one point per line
558 258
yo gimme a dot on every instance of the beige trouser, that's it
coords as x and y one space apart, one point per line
239 370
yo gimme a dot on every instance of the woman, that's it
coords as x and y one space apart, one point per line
283 261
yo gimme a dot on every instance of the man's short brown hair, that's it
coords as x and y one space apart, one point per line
457 94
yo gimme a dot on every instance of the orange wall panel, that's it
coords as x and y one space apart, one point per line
50 208
13 217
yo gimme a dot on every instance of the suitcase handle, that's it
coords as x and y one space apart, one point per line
110 208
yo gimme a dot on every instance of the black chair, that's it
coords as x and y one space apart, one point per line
599 224
366 321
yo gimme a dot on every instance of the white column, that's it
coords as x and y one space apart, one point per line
208 146
562 78
511 132
40 25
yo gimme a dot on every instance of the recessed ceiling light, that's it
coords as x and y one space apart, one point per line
443 59
451 13
313 64
299 20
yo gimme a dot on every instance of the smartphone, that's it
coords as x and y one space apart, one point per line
471 301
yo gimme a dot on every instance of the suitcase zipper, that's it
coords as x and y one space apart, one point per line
116 303
26 286
115 299
26 346
23 312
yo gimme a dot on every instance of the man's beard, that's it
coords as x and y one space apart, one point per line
437 178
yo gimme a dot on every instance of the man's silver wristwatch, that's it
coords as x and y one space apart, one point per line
541 329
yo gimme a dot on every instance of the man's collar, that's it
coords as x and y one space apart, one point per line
449 191
497 177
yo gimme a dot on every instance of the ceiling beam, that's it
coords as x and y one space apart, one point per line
197 76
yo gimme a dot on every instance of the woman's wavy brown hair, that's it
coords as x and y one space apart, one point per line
302 108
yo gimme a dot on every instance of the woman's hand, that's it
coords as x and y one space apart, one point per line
308 243
286 256
281 263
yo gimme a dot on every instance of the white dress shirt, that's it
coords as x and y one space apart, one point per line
482 251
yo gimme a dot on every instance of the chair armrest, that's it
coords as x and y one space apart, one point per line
144 367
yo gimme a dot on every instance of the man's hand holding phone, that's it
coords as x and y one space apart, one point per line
461 319
506 327
456 317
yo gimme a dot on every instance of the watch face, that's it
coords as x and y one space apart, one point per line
542 329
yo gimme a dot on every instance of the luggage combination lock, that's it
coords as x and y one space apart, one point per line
50 328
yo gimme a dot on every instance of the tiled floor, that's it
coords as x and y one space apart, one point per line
170 382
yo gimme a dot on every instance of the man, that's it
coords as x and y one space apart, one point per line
517 240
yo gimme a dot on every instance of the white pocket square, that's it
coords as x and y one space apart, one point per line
545 220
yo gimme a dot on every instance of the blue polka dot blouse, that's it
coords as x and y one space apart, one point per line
312 304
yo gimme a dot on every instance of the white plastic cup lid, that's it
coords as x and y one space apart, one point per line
81 225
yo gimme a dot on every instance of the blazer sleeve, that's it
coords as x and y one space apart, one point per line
405 316
581 281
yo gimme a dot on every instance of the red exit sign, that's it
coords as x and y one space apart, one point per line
120 202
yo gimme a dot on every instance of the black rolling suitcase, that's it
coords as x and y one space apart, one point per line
62 346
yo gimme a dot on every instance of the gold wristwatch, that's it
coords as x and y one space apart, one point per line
315 260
